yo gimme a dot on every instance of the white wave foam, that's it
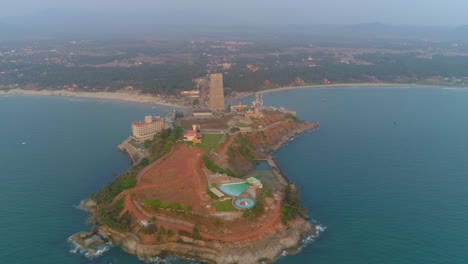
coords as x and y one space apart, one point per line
455 88
320 228
169 259
89 252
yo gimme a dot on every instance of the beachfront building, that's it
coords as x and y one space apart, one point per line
146 129
202 113
255 182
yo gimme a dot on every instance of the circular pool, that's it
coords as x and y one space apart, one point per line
244 203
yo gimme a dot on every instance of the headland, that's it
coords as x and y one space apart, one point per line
199 194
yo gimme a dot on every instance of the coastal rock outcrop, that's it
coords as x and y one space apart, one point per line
248 252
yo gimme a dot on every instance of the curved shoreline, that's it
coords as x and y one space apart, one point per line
115 96
343 85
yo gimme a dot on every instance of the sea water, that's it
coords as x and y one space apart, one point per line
54 152
386 173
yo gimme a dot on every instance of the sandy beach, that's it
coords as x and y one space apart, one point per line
119 96
335 85
332 85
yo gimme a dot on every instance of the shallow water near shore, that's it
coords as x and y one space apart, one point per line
386 173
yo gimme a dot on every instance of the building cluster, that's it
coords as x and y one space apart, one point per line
194 135
191 93
146 129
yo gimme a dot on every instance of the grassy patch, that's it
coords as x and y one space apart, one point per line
157 204
295 118
210 141
225 206
240 124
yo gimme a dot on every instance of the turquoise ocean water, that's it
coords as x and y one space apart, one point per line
387 173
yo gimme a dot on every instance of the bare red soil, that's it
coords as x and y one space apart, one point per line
178 177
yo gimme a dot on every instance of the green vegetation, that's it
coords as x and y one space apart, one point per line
94 66
240 124
157 204
160 232
185 208
179 114
134 143
150 229
211 194
291 206
146 144
295 118
234 130
170 233
258 208
215 168
210 141
110 216
163 142
152 78
225 206
244 147
125 181
108 213
175 206
196 233
267 192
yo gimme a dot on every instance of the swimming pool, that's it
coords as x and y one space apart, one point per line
234 189
244 203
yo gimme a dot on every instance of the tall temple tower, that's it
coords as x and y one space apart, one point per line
216 92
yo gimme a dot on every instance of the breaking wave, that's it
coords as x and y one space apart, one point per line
89 252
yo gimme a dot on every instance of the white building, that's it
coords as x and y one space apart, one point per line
146 129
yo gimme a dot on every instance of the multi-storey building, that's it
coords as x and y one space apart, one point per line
216 92
146 129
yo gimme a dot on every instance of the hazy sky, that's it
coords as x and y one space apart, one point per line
414 12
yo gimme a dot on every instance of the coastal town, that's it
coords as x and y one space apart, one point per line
204 185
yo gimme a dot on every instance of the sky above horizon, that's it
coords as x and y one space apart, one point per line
397 12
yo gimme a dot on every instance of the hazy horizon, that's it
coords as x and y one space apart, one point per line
243 12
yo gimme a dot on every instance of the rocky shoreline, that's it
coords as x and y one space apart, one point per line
268 248
302 128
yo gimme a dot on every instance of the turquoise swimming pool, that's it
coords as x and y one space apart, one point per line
234 189
244 203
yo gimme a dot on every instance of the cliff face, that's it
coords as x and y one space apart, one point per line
277 134
248 252
260 142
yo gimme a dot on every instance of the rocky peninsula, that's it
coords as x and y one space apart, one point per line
180 204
